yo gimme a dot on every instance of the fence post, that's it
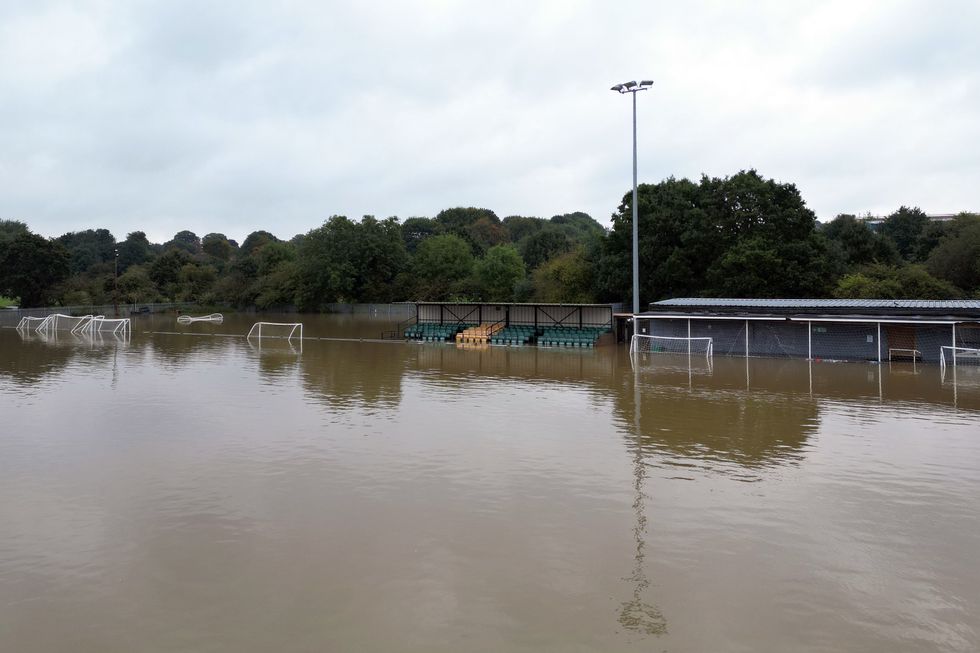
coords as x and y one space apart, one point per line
879 344
746 338
809 347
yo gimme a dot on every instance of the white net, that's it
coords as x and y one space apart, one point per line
101 324
58 322
648 344
29 323
216 318
959 356
281 330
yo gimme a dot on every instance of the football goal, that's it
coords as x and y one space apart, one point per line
282 330
216 318
959 356
641 343
60 322
100 324
29 323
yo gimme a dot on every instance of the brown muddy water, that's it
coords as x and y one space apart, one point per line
197 493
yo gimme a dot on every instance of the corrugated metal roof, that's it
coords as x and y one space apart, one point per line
823 304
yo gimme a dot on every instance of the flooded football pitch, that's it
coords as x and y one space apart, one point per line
186 489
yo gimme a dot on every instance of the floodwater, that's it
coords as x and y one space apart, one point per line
198 493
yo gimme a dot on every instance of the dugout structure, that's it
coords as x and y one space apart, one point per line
821 329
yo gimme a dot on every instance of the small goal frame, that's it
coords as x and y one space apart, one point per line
708 349
256 330
217 318
28 323
949 354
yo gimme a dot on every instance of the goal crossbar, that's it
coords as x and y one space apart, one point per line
949 355
671 345
293 327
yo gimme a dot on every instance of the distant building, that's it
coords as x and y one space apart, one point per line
874 222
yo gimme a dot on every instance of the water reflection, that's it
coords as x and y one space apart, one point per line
343 375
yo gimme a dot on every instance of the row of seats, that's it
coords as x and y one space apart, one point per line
432 332
497 334
479 334
514 335
570 336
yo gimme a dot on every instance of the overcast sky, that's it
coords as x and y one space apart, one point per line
237 116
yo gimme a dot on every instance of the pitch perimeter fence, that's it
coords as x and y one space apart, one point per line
826 339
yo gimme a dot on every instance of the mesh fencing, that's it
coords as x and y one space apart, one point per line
818 340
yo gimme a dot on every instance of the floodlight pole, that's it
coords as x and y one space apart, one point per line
115 284
633 88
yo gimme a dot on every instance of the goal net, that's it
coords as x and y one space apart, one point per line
29 323
58 322
100 324
646 344
959 356
216 318
281 330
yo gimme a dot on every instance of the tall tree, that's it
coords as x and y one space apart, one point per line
135 250
441 265
498 272
957 257
31 267
904 227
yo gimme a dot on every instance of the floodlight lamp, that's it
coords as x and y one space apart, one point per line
617 87
646 82
630 84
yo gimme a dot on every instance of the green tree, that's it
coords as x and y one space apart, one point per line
893 282
347 261
186 241
415 230
217 246
858 244
567 278
520 227
195 282
88 248
694 236
31 267
543 245
904 227
10 229
135 285
957 257
165 271
135 250
498 272
254 241
441 265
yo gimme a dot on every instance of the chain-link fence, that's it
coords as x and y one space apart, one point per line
11 317
819 339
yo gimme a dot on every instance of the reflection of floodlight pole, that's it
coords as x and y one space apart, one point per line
636 614
634 88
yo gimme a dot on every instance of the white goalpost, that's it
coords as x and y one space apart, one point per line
949 355
641 343
102 324
282 330
61 322
29 323
216 318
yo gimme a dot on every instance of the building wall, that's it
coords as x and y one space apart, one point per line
849 341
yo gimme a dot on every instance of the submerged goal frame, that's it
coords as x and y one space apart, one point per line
640 337
258 327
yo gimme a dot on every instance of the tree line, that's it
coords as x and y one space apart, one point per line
737 236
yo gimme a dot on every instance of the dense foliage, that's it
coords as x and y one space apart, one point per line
738 236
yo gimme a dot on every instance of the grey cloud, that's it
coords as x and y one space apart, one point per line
231 117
